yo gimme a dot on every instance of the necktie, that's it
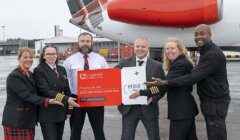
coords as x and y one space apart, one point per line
140 62
86 66
55 70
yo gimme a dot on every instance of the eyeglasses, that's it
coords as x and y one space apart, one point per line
51 54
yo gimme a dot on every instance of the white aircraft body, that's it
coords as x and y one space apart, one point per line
125 20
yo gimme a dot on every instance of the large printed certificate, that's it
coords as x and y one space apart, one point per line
99 87
105 87
132 78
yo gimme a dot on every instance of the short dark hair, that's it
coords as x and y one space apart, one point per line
41 59
85 33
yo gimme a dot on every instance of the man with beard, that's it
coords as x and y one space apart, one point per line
212 85
83 60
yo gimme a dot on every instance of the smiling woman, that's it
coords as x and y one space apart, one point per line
25 59
51 80
20 111
182 107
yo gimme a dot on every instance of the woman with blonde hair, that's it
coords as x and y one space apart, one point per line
180 47
182 107
20 112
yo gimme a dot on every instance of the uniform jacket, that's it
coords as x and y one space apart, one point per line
20 110
181 104
153 69
49 85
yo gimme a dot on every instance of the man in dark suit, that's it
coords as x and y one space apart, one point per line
148 114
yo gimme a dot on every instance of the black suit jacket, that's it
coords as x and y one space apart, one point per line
181 104
153 69
20 110
49 85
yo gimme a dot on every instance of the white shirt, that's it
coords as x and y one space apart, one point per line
144 61
76 62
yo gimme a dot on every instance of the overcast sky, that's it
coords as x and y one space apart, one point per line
32 19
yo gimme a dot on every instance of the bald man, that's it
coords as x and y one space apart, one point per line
212 85
148 114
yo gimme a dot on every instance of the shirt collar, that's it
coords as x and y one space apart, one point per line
89 54
51 66
144 59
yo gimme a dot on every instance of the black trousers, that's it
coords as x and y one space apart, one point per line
96 118
182 129
52 131
215 116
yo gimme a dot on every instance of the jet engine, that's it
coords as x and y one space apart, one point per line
169 13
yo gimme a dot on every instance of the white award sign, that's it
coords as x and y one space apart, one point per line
133 79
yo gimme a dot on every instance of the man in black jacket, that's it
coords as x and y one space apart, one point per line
212 84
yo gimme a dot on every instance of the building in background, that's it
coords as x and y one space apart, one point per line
58 31
67 46
11 46
61 42
111 50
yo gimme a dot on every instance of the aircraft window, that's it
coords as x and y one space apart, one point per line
74 6
86 2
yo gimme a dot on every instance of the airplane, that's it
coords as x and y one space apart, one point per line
125 20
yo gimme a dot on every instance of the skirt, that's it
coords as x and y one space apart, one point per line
11 133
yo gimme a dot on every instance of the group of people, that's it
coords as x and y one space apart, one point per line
49 94
210 75
42 96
